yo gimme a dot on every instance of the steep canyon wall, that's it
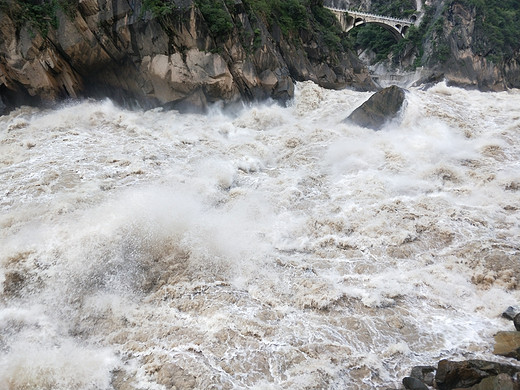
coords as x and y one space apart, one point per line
112 48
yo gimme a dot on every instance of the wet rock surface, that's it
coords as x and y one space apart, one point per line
411 383
507 344
453 375
425 374
381 108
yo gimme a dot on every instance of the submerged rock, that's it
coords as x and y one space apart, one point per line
382 107
507 344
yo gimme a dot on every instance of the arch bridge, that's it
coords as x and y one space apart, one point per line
350 19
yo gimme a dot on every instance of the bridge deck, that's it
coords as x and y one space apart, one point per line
375 16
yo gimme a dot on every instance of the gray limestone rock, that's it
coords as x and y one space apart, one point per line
381 108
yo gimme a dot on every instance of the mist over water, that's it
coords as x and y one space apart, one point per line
266 248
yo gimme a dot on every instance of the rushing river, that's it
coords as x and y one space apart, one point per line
264 248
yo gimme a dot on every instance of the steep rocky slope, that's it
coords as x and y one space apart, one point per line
464 51
118 48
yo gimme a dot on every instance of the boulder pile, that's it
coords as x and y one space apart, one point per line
475 374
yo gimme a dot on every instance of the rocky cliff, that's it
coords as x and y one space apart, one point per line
461 51
119 49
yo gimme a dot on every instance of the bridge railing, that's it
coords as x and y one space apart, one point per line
389 18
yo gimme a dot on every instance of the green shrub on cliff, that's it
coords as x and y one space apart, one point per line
328 25
40 15
290 15
396 8
381 41
497 27
217 16
294 16
159 7
374 38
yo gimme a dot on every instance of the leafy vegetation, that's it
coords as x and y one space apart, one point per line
374 38
327 24
290 15
416 36
381 41
159 7
396 8
41 15
293 16
496 34
497 27
217 15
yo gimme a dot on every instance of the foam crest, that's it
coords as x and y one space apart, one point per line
59 367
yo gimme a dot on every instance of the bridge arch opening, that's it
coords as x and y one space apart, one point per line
394 31
375 40
358 22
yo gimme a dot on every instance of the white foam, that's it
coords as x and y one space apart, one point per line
272 247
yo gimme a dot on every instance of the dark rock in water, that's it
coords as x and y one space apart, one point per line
516 321
507 344
425 374
511 312
413 384
453 375
429 80
382 107
3 107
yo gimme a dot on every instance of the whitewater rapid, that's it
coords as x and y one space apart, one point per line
263 248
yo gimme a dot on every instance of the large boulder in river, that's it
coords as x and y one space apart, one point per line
507 344
382 107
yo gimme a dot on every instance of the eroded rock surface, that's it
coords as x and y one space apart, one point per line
381 108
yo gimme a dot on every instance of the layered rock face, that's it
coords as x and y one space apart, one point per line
111 48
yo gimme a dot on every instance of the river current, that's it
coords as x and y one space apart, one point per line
261 248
